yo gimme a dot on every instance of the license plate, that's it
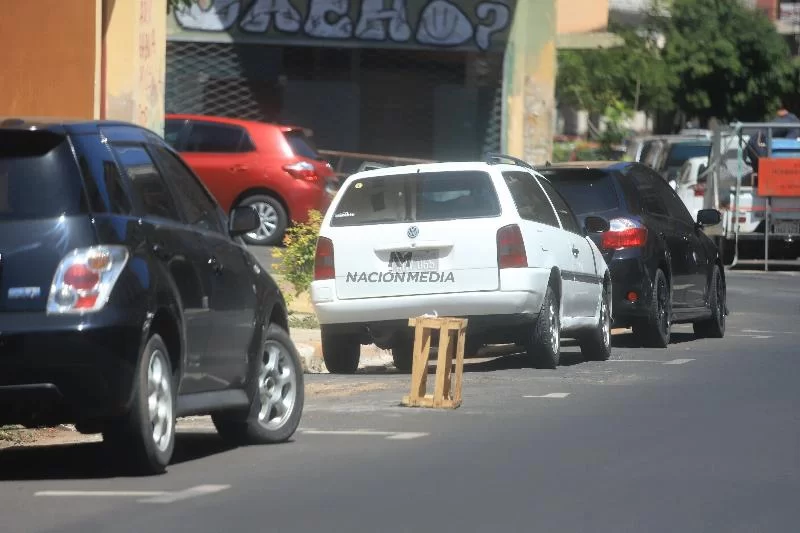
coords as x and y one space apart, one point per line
787 227
417 261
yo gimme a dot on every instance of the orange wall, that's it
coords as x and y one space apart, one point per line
48 58
579 16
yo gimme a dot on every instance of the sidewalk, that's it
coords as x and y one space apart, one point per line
309 344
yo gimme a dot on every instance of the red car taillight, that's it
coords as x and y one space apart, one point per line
323 261
302 170
624 233
511 248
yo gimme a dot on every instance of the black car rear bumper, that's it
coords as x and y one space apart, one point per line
630 275
57 369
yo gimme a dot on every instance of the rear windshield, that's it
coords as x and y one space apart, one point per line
418 197
679 153
301 144
38 176
585 190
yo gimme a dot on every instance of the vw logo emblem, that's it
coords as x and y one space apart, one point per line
412 232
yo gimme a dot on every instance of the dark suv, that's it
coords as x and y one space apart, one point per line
664 269
127 297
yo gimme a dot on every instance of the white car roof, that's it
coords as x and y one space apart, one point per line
427 167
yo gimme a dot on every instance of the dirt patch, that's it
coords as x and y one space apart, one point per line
19 436
346 389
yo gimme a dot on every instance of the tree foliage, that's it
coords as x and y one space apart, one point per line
632 74
720 59
730 61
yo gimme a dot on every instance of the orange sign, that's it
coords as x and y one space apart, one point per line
778 177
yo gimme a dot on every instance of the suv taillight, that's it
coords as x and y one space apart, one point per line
85 278
624 233
699 189
323 261
302 170
511 248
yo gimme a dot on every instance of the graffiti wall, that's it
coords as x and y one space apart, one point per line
476 25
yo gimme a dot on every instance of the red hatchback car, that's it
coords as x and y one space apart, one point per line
274 168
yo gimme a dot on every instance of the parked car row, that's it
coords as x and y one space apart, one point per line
526 255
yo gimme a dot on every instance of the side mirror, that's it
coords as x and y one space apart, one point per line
243 219
596 225
709 217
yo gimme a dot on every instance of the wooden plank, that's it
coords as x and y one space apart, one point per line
419 367
459 371
442 369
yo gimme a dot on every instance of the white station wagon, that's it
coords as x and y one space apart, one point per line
489 241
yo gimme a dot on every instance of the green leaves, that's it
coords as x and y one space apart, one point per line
721 59
297 257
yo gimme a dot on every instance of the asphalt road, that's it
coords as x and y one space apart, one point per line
702 436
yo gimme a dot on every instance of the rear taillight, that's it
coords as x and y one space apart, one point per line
85 278
699 189
302 170
511 248
323 261
624 233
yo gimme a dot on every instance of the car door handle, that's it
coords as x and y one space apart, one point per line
215 265
160 251
239 168
575 251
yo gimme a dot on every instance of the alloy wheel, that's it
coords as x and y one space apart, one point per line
555 334
269 221
159 401
277 386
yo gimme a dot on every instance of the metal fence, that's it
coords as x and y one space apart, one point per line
426 105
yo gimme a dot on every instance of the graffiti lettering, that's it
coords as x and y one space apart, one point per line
259 16
444 24
219 15
431 23
374 19
501 17
320 15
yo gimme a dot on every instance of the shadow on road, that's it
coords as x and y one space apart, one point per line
94 460
627 340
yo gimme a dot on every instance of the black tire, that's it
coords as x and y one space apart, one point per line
277 216
341 353
596 345
135 434
403 353
544 345
276 377
654 331
714 327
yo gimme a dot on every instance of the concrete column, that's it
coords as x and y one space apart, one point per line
529 78
135 61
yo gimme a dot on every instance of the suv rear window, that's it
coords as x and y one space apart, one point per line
417 197
679 153
586 191
301 144
39 177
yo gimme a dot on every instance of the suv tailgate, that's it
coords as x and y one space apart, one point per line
43 215
414 234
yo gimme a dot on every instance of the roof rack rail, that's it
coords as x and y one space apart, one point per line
494 158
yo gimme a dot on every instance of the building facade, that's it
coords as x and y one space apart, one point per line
430 79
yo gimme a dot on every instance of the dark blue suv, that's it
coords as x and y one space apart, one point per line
127 297
664 269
